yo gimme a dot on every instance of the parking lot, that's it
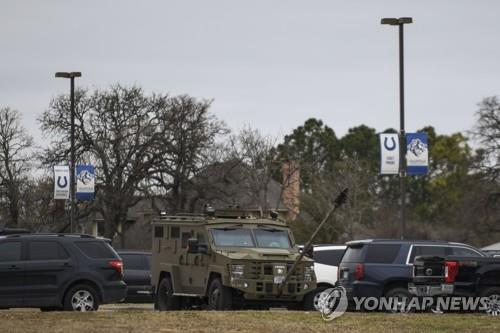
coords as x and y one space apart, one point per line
140 318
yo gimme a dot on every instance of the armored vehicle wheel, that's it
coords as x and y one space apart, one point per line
166 301
219 297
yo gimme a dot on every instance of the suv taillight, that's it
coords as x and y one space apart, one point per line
117 265
450 271
359 274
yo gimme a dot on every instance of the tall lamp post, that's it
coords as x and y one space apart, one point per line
400 22
71 76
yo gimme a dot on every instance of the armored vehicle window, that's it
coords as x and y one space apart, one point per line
233 237
159 232
201 238
175 232
272 238
10 251
184 240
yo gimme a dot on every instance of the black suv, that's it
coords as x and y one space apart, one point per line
375 268
59 272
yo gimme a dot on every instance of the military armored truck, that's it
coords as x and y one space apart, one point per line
228 259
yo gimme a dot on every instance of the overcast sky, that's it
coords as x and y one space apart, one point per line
268 64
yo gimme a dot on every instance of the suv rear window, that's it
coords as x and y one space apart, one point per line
382 253
427 250
96 250
353 254
328 257
133 261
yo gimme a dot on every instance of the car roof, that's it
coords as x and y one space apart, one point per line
133 252
50 235
401 241
325 247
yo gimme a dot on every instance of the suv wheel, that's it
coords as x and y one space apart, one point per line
219 297
401 298
166 301
81 298
493 300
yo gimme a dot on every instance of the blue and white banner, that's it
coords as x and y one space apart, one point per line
417 153
389 154
61 182
85 182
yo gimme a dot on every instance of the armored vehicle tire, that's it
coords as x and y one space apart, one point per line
219 297
165 299
82 298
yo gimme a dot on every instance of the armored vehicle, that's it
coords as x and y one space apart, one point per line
228 259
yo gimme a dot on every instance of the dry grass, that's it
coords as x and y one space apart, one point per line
125 319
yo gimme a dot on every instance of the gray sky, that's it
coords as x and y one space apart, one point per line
268 64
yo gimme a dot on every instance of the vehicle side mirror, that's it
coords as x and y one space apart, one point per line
192 245
203 248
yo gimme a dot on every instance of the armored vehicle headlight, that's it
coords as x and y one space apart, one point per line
237 271
308 273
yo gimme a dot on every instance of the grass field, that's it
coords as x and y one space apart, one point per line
139 320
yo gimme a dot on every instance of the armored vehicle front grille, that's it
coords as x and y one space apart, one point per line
259 270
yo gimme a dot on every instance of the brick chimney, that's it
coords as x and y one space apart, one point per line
291 188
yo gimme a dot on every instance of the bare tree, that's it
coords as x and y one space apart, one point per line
15 162
117 130
256 153
188 134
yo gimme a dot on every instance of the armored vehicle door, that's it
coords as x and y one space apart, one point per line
193 266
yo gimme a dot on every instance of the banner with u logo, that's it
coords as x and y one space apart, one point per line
61 182
389 154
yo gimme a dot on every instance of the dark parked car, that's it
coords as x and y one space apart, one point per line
59 271
137 275
375 268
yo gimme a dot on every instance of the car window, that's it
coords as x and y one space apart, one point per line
132 261
423 250
353 254
463 252
382 253
96 250
10 251
46 250
328 257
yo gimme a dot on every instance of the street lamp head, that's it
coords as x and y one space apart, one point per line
68 75
396 21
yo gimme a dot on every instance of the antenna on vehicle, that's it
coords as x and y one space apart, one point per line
339 201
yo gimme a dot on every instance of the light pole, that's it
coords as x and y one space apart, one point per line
400 22
71 76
